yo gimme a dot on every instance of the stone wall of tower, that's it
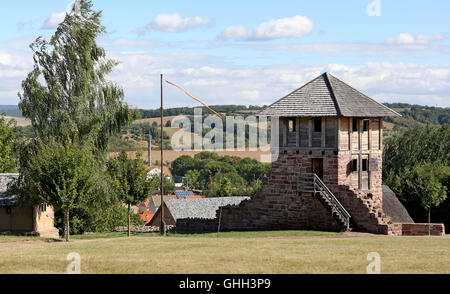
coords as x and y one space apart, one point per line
278 205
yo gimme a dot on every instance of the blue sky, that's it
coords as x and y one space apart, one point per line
250 52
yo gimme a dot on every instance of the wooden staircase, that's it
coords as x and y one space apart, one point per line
311 183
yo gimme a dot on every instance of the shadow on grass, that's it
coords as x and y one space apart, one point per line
254 234
196 234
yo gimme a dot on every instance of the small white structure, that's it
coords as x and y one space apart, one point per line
152 171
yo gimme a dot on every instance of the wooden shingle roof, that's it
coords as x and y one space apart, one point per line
205 208
326 95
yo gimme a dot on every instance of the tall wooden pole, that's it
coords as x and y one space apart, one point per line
162 227
150 148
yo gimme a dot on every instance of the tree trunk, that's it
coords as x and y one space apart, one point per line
129 220
429 221
67 225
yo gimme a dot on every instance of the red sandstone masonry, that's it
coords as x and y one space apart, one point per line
417 229
278 205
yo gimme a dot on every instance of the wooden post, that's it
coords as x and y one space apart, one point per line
162 227
350 132
67 225
149 148
338 134
220 219
310 132
129 220
359 124
323 135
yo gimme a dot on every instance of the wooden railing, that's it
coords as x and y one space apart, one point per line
312 183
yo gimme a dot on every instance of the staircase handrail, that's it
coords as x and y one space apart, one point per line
320 185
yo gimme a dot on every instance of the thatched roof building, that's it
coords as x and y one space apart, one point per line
394 208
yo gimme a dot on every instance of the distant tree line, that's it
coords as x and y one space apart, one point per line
221 176
227 109
424 114
11 110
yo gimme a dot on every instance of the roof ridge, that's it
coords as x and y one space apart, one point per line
289 95
365 95
333 96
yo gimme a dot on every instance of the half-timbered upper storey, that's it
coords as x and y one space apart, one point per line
326 113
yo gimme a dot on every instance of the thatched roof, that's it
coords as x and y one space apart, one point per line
326 95
393 208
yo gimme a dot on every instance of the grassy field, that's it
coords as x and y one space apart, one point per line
250 252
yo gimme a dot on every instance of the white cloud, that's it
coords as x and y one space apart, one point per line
175 23
215 81
5 59
251 94
410 39
54 20
294 27
14 67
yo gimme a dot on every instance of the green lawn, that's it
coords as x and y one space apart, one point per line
234 252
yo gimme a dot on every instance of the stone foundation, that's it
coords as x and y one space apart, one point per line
397 229
279 205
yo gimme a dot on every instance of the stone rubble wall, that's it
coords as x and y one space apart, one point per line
278 205
398 229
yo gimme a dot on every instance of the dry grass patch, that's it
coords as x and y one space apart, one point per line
262 252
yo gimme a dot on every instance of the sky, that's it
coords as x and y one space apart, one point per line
249 52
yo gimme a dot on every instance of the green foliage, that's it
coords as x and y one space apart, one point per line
62 176
426 182
169 184
129 179
97 218
206 155
416 166
221 176
66 177
66 95
226 184
74 110
424 114
421 145
131 136
227 109
7 137
182 165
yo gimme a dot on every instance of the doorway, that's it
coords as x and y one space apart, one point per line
317 167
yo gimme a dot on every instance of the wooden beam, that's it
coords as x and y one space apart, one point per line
338 138
350 134
310 126
359 124
380 146
323 134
